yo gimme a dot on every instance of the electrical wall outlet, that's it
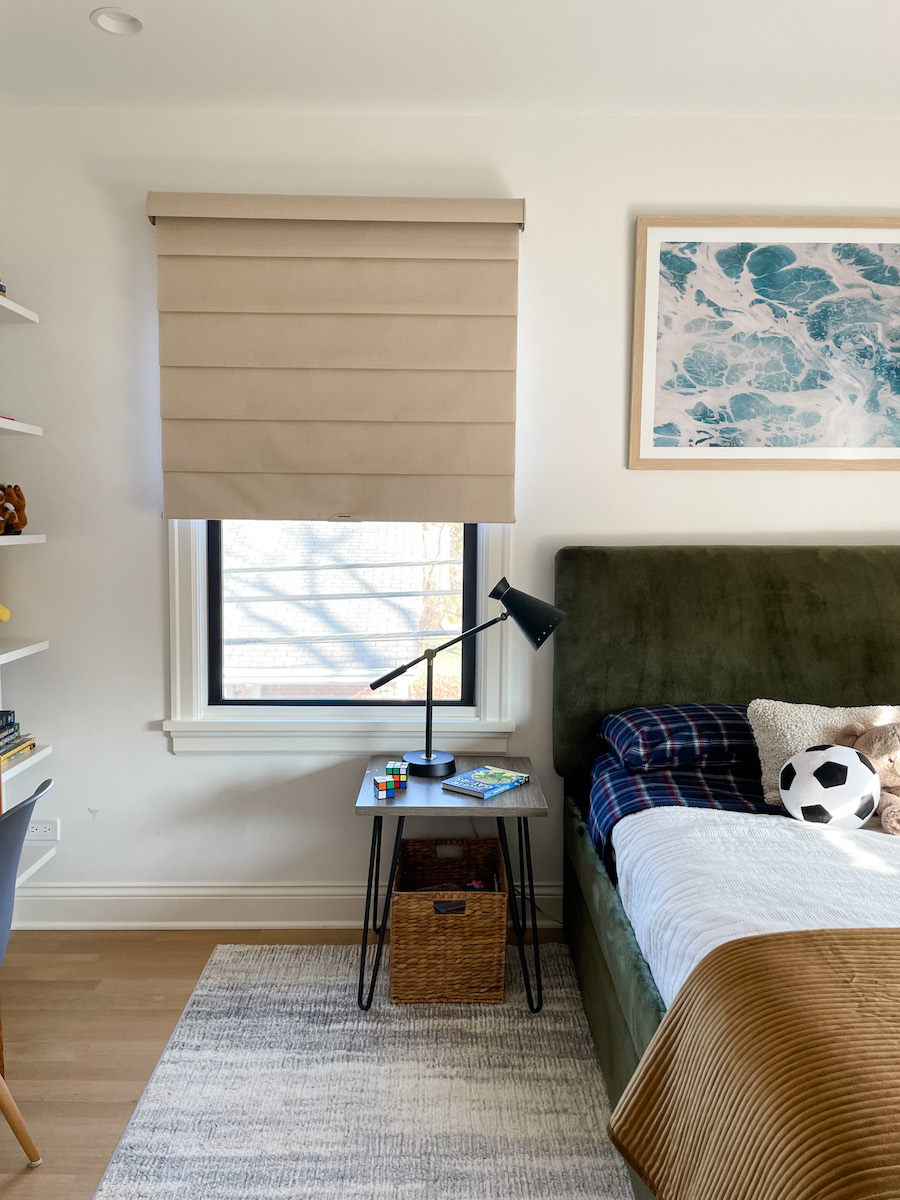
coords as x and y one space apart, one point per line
46 830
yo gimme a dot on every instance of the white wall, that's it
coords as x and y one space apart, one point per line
148 837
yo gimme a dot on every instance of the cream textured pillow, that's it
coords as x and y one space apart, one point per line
783 729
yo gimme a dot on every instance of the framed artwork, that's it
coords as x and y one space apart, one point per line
766 342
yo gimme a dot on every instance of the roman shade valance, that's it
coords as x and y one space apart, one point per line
337 356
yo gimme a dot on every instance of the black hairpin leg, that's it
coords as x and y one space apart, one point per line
526 882
376 850
371 910
521 871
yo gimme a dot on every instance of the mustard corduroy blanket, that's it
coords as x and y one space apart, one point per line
775 1074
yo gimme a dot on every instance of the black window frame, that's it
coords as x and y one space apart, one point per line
215 647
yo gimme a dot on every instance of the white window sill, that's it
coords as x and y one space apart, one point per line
365 735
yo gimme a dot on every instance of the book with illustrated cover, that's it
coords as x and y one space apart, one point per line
485 782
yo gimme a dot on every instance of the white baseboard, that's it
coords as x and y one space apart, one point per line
211 906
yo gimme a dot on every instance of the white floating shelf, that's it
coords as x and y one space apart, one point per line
33 857
11 649
24 539
8 425
10 312
23 761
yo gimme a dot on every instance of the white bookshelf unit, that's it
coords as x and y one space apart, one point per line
23 761
24 539
12 649
14 314
8 425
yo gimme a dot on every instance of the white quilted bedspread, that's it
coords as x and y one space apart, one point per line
692 879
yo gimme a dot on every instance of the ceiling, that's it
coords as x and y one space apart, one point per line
689 56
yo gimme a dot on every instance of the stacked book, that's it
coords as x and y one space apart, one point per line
12 741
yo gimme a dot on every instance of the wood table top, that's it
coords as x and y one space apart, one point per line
424 797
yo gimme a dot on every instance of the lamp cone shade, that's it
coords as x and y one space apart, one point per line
536 618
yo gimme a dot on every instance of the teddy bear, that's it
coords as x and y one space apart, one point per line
881 746
12 508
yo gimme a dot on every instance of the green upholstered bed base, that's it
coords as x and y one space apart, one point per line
621 1001
651 625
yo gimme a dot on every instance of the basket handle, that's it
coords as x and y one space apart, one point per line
445 907
448 850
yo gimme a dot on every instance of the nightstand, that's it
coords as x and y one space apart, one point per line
424 797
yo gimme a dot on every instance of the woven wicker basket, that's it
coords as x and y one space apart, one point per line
449 957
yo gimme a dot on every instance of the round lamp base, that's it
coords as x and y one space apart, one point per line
435 767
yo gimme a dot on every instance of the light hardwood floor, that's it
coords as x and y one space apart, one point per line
86 1016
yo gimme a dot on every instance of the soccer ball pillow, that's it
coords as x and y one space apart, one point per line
830 785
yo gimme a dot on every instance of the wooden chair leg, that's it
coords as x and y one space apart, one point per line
2 1063
10 1110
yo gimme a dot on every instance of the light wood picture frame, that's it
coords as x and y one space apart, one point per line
766 343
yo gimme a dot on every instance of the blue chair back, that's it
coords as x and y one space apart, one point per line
13 827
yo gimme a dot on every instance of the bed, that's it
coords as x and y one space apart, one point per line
654 625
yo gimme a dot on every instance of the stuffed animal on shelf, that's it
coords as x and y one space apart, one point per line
12 509
881 746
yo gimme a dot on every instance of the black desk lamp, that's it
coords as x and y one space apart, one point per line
535 618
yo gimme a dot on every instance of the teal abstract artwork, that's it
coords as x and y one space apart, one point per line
761 343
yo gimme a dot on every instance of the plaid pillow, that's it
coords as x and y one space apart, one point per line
663 736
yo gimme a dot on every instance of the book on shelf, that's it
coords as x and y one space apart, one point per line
9 734
484 782
7 718
14 749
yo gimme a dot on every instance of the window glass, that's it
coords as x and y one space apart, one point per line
313 611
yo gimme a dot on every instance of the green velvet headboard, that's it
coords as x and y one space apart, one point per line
651 625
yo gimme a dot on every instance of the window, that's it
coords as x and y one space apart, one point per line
310 612
244 712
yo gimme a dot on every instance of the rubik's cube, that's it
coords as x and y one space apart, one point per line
398 772
384 787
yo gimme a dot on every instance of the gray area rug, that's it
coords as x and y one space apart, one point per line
275 1086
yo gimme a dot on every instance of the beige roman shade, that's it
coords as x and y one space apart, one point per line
335 356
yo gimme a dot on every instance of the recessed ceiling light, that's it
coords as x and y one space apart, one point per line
116 20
